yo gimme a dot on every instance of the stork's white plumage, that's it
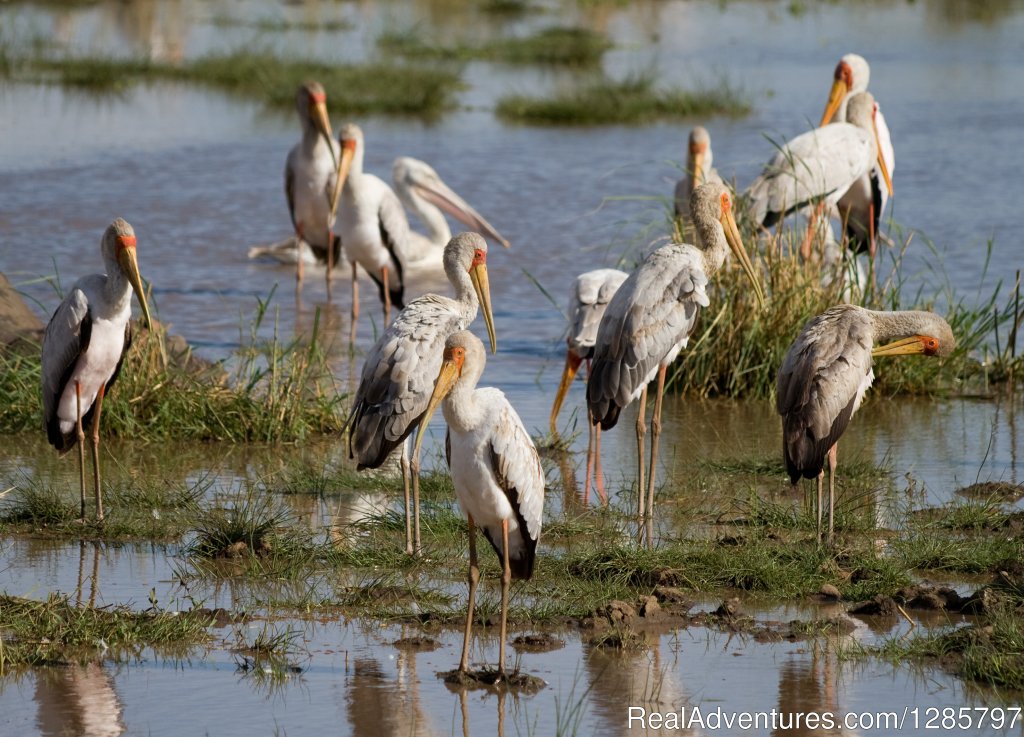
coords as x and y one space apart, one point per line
373 226
651 317
818 166
84 345
826 372
310 173
864 202
425 194
588 299
495 468
699 170
398 376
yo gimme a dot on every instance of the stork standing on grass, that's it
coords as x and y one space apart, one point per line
496 471
84 346
650 319
825 374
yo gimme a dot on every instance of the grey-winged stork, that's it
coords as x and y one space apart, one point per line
399 372
588 299
650 319
496 471
825 374
84 346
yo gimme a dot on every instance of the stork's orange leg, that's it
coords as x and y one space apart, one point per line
81 445
474 579
96 450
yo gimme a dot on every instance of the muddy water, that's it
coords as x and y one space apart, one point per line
199 175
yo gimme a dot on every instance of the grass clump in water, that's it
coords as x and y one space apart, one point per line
552 46
57 631
636 100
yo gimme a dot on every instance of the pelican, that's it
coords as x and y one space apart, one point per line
588 300
425 194
310 175
84 346
398 376
374 228
651 317
825 374
495 468
863 204
698 170
819 166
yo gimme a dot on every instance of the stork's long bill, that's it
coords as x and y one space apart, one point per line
451 370
732 237
878 145
835 98
697 154
129 264
482 285
914 345
572 365
321 121
348 151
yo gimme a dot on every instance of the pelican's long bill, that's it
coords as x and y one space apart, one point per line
881 159
835 99
572 365
129 264
732 237
442 196
914 345
482 285
451 369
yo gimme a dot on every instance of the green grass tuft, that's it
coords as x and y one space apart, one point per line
552 46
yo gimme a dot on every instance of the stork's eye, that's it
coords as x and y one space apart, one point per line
931 346
725 202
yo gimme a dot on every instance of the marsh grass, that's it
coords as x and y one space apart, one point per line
276 391
56 631
281 25
635 100
558 46
358 89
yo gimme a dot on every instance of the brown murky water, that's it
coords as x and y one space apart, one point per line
199 175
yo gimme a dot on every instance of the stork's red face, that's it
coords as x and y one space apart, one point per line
456 356
125 241
841 86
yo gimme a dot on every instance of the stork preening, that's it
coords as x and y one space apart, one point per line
425 194
818 167
650 319
497 474
398 376
83 349
588 299
862 205
699 170
310 177
374 228
825 374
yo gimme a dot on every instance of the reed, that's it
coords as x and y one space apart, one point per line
559 46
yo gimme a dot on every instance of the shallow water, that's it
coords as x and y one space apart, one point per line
199 176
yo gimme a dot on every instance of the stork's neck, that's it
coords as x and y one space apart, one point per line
465 294
117 290
887 326
711 237
431 217
461 409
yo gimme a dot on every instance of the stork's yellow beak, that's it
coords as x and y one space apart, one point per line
835 99
914 345
451 368
881 158
482 285
128 261
572 365
732 237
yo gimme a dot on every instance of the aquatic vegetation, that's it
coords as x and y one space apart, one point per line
280 25
635 100
56 631
550 46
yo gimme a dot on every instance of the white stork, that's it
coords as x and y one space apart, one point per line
374 228
651 317
819 166
699 170
398 376
496 471
425 194
84 346
310 174
589 297
864 202
825 374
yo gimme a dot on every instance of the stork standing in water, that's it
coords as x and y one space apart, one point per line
425 194
650 319
864 202
398 376
496 471
819 166
310 177
84 346
825 374
699 170
373 226
588 300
